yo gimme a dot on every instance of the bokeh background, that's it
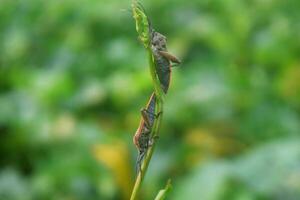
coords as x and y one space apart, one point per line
73 77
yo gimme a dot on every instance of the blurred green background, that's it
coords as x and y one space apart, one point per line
73 77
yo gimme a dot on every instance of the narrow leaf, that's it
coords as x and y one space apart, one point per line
141 24
163 193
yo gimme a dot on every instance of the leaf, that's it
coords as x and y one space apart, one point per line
163 193
270 170
141 23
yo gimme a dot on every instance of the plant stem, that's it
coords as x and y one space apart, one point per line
142 27
156 126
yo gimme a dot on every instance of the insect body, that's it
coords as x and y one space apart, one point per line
142 138
163 63
163 59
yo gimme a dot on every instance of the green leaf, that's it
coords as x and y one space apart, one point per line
141 23
163 193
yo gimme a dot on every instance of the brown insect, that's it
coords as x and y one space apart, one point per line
163 59
142 138
163 63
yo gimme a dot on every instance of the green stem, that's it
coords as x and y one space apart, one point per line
142 27
156 126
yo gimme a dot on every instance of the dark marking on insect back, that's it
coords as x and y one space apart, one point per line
142 138
162 59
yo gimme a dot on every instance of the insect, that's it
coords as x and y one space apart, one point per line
163 59
163 63
142 138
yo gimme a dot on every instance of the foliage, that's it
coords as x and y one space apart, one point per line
73 78
162 194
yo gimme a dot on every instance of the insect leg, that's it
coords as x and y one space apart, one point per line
139 160
169 56
146 118
146 112
158 114
152 140
174 64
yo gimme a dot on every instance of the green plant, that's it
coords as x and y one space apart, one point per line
142 27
